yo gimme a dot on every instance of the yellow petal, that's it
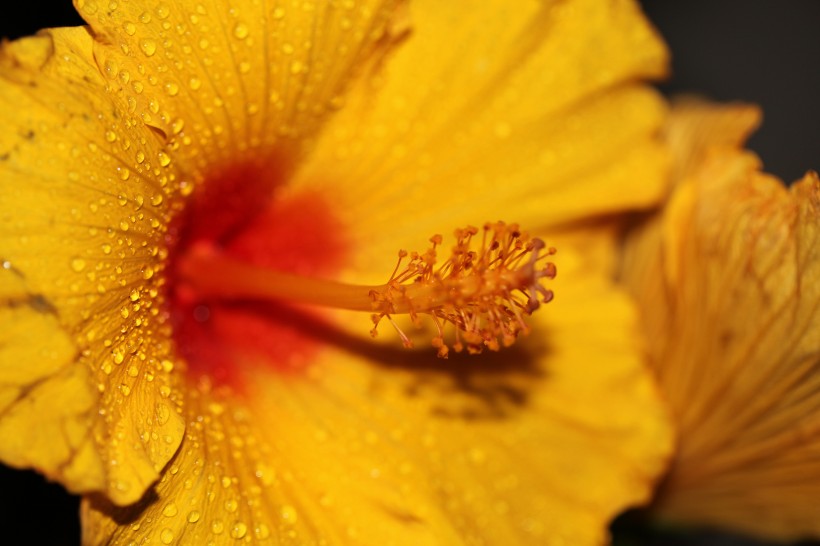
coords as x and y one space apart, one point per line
45 400
112 133
528 103
375 445
728 284
106 130
83 231
221 78
695 127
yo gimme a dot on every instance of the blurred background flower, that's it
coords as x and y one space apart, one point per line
761 52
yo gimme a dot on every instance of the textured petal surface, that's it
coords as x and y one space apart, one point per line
82 239
727 281
128 129
96 160
223 77
377 445
471 113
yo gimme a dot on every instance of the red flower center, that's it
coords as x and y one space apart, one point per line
242 212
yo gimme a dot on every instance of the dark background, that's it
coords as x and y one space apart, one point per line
761 51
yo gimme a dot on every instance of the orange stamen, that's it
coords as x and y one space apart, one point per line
484 293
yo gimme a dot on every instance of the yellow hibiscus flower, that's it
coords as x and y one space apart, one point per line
314 140
726 278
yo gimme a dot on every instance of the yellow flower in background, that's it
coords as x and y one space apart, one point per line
316 139
727 280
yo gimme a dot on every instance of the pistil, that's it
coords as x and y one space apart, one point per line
485 292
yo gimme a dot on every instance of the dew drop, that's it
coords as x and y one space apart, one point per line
193 516
133 370
195 83
117 356
111 69
170 510
166 536
177 125
148 46
77 264
239 530
262 531
130 28
289 513
145 17
172 89
164 159
296 67
124 312
156 200
241 31
135 295
217 527
162 11
163 413
186 188
231 505
125 389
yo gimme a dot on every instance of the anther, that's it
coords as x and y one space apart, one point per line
485 293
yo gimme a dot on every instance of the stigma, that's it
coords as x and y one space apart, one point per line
491 280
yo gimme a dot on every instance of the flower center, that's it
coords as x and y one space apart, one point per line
240 213
251 266
483 293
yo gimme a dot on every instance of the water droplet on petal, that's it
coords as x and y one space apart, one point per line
172 89
162 11
239 530
262 531
148 46
289 513
241 31
166 536
193 516
170 510
77 264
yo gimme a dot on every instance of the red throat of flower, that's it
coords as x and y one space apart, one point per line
242 259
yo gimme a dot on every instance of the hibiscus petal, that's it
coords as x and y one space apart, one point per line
223 77
376 445
92 165
48 390
83 238
471 112
727 280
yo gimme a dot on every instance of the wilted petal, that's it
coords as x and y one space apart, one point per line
728 285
